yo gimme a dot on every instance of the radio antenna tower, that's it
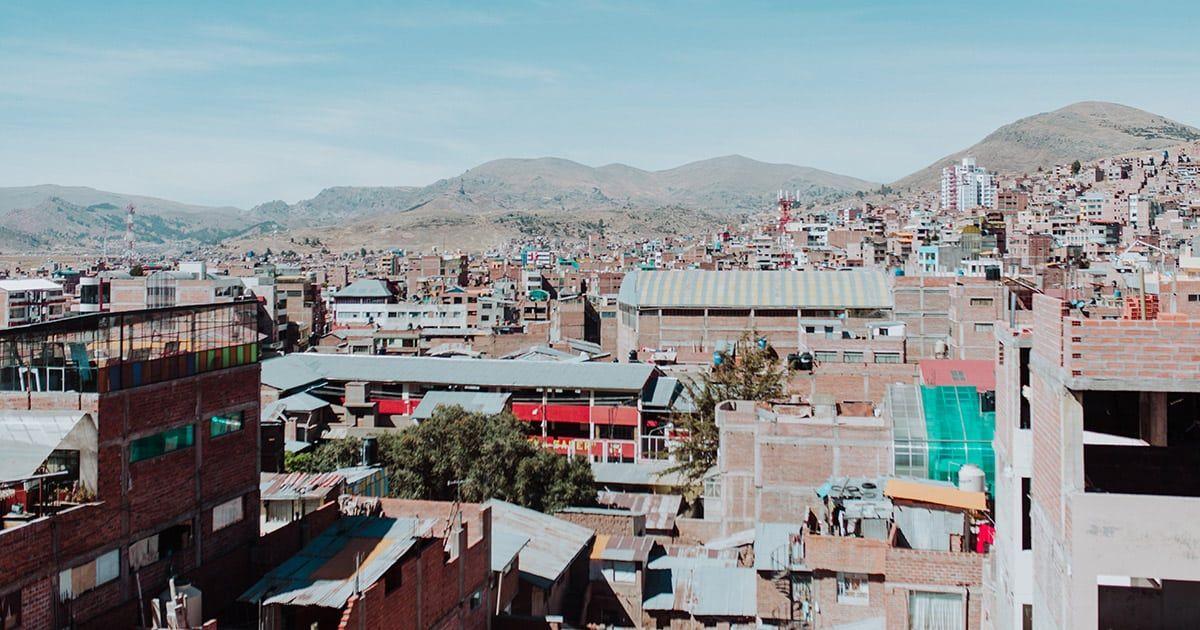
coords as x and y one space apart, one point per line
129 253
785 210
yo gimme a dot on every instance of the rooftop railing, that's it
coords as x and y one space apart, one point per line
105 352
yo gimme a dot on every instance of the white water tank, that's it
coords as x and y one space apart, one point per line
971 478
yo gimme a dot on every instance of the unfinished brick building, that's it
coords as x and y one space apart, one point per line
1097 495
129 443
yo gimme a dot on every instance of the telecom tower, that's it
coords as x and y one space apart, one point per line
129 253
785 210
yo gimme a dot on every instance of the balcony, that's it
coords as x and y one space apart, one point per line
105 352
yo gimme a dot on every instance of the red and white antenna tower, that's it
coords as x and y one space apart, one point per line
129 253
785 210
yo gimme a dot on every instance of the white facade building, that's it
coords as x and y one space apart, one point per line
966 186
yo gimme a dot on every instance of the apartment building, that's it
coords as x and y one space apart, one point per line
130 445
30 301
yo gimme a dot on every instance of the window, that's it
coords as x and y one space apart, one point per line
825 356
225 423
1026 521
78 580
620 572
983 301
853 357
10 610
934 610
981 327
476 599
853 588
161 443
227 513
1194 297
887 357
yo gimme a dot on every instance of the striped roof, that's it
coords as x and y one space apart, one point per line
756 289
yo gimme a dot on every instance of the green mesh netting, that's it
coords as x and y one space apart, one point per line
958 432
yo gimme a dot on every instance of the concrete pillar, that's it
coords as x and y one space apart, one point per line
1152 412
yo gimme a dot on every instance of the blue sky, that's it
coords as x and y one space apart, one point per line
239 103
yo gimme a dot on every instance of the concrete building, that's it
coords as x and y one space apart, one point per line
128 455
30 301
966 186
1112 503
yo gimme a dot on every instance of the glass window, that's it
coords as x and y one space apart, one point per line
161 443
935 610
887 357
852 357
620 571
225 423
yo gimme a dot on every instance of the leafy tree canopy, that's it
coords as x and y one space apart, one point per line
454 451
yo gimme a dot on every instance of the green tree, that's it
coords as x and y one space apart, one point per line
482 457
1076 167
754 373
327 457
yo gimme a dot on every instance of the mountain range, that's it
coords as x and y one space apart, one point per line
550 196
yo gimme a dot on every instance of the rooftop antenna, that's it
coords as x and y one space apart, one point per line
129 253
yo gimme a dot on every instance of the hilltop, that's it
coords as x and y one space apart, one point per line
1083 131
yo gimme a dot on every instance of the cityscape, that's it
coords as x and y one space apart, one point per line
961 391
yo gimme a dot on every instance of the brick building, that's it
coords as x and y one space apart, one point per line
772 461
384 572
130 444
1094 435
698 312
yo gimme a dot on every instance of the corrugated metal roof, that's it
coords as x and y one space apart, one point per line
296 485
622 548
369 288
505 547
703 591
302 369
660 509
302 402
28 437
647 473
771 542
553 542
755 289
323 572
487 403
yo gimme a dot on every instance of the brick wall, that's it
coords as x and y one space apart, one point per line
139 499
611 522
1122 349
434 591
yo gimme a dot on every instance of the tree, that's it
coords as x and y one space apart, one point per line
1076 167
327 457
481 457
753 373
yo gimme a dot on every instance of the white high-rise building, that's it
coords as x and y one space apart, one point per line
966 186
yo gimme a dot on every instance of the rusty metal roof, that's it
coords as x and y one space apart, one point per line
660 509
296 486
622 548
324 572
